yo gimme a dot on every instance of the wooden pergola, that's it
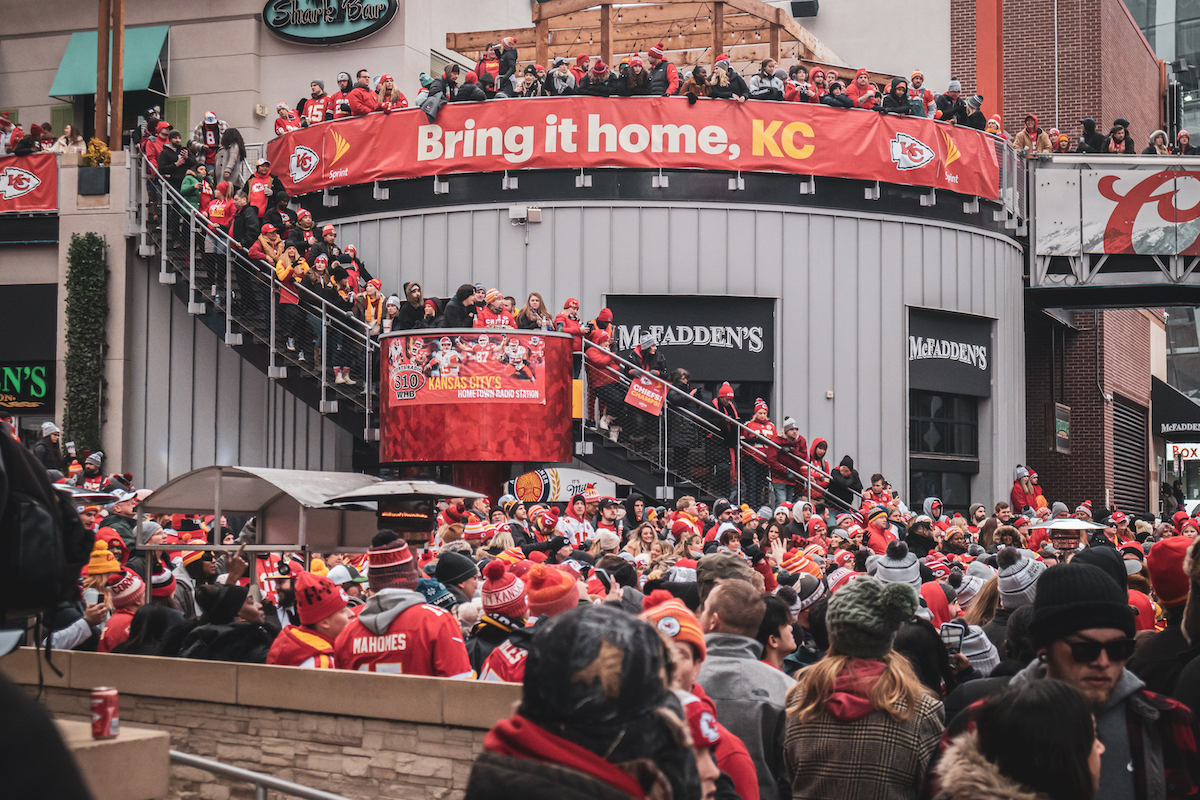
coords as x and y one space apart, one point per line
692 32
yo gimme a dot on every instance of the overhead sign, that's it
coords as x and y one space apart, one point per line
1175 416
1118 211
713 337
27 388
640 133
29 183
327 21
558 485
949 352
1188 451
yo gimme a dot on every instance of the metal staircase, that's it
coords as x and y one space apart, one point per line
237 298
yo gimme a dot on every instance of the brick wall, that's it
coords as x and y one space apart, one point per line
1105 68
1124 370
346 755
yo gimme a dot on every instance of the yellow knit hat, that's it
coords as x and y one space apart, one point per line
317 567
102 562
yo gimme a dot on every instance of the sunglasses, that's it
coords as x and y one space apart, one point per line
1088 650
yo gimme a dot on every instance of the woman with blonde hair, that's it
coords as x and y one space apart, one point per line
533 315
983 606
862 692
449 533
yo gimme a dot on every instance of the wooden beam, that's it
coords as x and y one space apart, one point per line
102 24
542 43
477 40
773 38
117 93
606 34
718 28
810 44
556 8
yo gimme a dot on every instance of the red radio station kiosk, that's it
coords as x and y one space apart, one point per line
476 399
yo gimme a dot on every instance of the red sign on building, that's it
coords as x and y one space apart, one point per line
28 183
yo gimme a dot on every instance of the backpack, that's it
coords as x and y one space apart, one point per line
43 544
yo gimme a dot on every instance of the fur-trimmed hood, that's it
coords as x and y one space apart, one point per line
965 774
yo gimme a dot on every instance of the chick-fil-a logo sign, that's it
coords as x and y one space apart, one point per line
1152 216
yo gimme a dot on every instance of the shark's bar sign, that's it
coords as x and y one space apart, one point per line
327 21
27 388
949 352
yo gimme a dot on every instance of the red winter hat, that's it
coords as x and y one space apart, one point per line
657 51
318 598
590 495
668 614
328 229
503 592
551 591
725 391
862 71
1165 562
599 68
125 588
759 403
470 77
1117 517
581 59
605 315
844 558
392 567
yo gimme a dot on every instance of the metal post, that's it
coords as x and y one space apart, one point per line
327 406
217 510
193 306
260 792
738 451
272 370
231 338
367 380
662 438
302 535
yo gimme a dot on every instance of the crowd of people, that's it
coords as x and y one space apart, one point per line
716 650
40 139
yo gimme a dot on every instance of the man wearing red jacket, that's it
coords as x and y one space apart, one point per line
324 613
361 98
755 467
664 78
879 532
787 462
493 314
397 632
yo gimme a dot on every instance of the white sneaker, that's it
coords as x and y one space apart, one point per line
604 422
291 344
346 377
300 357
613 433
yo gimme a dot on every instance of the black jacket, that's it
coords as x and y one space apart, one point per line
977 121
246 226
458 315
167 168
1159 660
894 105
837 101
656 363
596 88
508 68
410 318
239 641
490 632
468 91
842 487
276 216
735 88
952 110
1092 140
46 453
444 87
628 90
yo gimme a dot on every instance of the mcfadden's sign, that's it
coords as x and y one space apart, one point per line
949 352
715 338
327 21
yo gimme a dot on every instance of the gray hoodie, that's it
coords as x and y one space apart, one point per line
383 607
1116 767
751 698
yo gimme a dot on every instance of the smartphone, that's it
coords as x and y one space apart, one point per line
91 597
952 636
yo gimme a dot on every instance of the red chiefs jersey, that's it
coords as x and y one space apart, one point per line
340 103
766 429
423 640
302 647
314 109
258 188
870 498
486 318
286 125
116 630
506 663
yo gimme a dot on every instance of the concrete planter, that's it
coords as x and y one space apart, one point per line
93 181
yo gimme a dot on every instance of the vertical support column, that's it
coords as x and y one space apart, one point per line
102 70
718 28
989 53
776 46
117 95
606 34
542 45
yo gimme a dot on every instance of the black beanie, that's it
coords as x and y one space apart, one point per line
454 568
1107 559
1074 597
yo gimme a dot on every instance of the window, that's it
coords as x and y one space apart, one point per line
943 443
60 118
177 111
943 424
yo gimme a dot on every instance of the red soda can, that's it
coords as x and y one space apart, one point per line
105 722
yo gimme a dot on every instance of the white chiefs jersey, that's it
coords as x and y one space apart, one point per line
447 363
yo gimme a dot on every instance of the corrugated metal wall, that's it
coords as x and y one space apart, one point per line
193 402
843 282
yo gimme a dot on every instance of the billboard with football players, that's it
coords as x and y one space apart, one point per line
475 395
497 365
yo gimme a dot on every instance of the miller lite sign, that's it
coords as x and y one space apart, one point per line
302 163
909 152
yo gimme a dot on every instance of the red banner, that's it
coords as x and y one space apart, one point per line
28 183
647 394
640 133
488 366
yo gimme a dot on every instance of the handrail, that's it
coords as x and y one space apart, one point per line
358 329
261 781
711 409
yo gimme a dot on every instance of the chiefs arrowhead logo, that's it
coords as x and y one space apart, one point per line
908 152
16 182
302 163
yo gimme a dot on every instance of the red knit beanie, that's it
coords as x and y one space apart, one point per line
551 591
1165 562
392 567
125 588
657 51
318 598
503 592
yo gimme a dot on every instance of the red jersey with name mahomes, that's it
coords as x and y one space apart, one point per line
422 640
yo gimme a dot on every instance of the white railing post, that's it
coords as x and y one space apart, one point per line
231 338
193 306
165 276
327 406
272 370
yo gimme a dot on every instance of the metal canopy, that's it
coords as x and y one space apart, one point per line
290 504
386 489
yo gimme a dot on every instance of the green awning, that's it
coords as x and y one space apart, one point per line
77 70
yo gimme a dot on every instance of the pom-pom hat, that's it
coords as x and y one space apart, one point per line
669 615
318 598
503 593
863 616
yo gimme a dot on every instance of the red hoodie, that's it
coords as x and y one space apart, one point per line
819 482
850 699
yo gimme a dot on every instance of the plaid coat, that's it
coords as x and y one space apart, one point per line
873 758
